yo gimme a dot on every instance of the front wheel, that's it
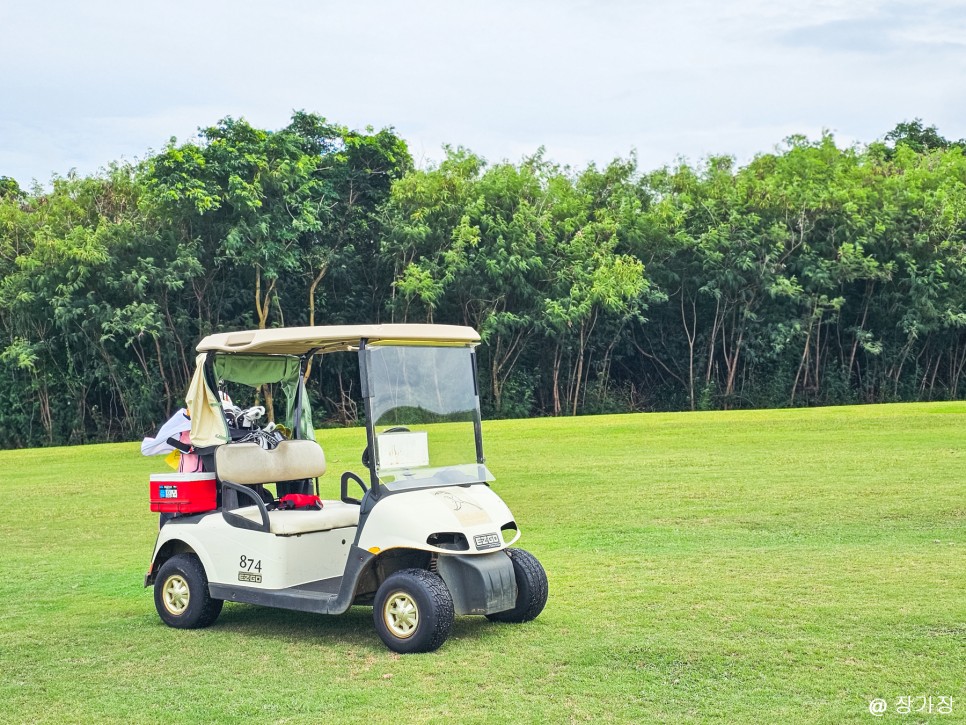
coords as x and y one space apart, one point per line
532 588
181 594
413 611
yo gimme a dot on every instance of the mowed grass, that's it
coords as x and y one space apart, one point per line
760 566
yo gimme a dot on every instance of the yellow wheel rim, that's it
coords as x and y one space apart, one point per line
175 594
401 615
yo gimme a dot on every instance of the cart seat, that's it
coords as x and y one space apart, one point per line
333 515
248 463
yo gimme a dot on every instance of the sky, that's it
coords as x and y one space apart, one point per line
88 83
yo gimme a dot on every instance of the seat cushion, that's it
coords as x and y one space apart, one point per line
248 463
334 515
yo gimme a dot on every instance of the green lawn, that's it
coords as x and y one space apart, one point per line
759 566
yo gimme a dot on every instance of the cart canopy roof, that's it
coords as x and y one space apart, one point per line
333 338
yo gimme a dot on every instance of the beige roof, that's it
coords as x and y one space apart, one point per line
331 338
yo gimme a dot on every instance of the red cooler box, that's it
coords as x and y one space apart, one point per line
183 493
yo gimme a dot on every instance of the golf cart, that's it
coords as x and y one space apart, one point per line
417 533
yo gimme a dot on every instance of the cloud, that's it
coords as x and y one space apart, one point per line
886 28
851 36
107 79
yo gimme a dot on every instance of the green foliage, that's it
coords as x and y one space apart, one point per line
10 188
812 275
107 282
917 137
530 255
276 210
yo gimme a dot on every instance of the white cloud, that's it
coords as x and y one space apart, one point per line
102 80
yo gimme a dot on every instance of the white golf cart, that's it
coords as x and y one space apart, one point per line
427 539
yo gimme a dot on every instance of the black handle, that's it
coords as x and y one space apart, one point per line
346 477
240 521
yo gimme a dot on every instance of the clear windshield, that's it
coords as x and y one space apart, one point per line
425 412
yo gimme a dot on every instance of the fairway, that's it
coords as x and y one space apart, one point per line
751 566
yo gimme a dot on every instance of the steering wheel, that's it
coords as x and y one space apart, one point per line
397 429
350 476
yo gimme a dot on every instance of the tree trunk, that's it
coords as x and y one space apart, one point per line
263 303
715 326
495 385
263 307
690 335
801 365
855 343
733 363
557 358
503 359
958 361
46 418
314 286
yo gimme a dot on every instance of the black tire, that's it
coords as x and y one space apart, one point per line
413 611
181 594
532 589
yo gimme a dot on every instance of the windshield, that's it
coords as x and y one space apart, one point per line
425 415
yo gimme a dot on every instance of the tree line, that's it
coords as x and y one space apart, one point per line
812 275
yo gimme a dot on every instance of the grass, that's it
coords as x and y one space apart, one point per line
754 566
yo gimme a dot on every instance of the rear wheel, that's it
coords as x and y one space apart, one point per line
413 611
181 594
532 588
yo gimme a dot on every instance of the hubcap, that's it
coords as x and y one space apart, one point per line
400 614
175 594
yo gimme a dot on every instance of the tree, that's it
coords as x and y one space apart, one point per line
275 205
918 137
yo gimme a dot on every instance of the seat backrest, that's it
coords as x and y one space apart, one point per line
249 463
